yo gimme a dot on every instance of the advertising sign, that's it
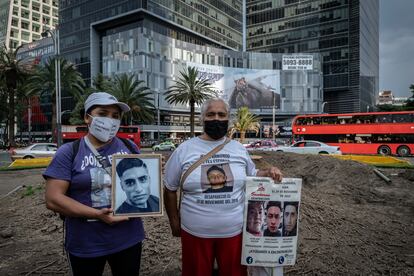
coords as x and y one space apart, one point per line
270 230
254 88
297 62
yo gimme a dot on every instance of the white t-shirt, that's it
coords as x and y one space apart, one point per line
205 213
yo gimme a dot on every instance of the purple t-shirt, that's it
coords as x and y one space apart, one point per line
91 185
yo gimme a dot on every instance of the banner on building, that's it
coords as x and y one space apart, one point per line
270 230
254 88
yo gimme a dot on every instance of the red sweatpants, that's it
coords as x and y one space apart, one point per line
198 255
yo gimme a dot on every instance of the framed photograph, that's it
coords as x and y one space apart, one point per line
136 189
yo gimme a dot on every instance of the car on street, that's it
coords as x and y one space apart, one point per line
164 146
309 147
261 145
35 150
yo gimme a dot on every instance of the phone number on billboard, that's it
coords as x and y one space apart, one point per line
297 62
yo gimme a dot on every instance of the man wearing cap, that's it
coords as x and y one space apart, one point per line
217 179
78 186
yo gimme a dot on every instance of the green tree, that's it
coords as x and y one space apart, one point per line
244 121
128 89
12 72
389 107
99 83
43 82
190 89
410 101
3 111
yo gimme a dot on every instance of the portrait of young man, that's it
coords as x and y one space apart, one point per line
135 182
217 180
273 219
290 219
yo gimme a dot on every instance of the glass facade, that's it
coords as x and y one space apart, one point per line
4 19
220 20
157 59
208 22
76 18
345 32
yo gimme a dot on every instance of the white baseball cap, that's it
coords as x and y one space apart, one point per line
103 98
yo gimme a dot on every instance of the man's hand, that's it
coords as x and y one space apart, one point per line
107 216
272 172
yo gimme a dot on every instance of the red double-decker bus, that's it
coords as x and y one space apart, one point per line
360 133
71 133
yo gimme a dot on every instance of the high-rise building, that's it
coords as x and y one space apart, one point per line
155 40
23 21
344 32
204 22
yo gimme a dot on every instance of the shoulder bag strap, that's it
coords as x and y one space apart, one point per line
198 163
102 160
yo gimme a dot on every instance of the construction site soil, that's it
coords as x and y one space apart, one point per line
351 223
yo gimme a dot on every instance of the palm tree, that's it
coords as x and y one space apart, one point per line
245 121
190 89
99 83
410 101
12 72
43 82
128 89
3 111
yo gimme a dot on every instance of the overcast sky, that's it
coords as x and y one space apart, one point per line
396 46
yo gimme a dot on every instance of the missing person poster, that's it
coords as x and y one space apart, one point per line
270 230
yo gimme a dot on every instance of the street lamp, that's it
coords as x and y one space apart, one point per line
158 116
55 36
274 115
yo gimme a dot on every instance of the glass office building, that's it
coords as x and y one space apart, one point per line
345 32
155 39
204 22
157 59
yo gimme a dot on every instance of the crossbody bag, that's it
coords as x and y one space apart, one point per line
196 164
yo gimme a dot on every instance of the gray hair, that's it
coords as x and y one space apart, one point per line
207 104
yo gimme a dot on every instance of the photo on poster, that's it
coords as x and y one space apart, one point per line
255 218
273 219
216 178
271 222
136 189
290 218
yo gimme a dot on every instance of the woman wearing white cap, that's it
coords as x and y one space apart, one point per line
78 186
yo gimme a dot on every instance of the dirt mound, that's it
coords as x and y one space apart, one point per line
351 223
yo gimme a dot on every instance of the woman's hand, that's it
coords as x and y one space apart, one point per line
175 228
272 172
106 215
170 203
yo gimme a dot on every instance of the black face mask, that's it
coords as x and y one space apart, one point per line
216 129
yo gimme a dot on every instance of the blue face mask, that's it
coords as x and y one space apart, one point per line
104 128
